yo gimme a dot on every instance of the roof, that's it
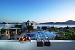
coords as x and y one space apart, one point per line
12 28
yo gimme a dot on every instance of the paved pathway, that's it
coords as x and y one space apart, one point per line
55 45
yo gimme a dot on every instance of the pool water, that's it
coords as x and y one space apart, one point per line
42 33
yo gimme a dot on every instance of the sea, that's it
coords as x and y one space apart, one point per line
55 25
40 25
2 25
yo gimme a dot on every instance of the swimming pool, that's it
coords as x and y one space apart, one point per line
43 33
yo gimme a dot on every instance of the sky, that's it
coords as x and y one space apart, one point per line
37 10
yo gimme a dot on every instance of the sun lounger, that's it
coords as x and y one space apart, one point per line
47 43
39 43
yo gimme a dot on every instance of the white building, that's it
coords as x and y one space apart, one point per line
25 24
9 25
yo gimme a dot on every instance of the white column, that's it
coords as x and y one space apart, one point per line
6 32
16 31
8 35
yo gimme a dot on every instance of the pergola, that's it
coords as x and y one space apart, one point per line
8 33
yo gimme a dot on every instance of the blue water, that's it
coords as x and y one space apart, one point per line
43 33
2 25
55 25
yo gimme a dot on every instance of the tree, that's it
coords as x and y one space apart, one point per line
18 26
29 28
44 27
2 30
38 27
52 27
67 27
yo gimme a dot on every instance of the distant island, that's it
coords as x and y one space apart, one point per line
70 22
10 23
